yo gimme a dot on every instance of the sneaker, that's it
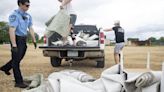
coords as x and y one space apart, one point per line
6 72
21 85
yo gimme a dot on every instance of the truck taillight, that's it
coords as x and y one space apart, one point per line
102 38
45 39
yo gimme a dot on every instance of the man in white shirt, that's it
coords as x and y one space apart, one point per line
66 4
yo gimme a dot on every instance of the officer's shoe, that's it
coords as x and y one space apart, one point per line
21 85
6 72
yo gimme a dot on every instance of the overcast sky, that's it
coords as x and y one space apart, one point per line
140 18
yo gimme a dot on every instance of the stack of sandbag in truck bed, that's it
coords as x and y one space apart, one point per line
59 24
81 39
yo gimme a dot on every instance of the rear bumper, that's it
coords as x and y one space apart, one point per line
81 54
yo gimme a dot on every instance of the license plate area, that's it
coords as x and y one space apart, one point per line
72 53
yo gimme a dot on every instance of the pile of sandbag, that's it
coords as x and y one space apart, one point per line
110 81
81 39
59 23
78 81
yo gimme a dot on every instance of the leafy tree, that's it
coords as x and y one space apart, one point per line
161 39
152 39
4 37
41 40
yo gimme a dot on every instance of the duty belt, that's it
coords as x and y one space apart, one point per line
21 37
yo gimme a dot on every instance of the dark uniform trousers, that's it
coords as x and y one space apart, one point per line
16 59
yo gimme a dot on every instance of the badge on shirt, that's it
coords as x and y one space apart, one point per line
12 18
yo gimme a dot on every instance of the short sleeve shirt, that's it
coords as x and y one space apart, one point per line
21 21
119 34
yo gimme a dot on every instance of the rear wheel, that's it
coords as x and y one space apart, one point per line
101 63
55 61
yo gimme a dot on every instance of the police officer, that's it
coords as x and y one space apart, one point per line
119 35
19 22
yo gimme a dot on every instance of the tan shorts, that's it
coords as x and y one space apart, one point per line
118 47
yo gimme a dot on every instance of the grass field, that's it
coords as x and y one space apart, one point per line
34 62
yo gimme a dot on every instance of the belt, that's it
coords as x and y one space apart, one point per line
21 37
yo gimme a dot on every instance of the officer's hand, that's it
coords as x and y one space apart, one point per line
14 49
35 44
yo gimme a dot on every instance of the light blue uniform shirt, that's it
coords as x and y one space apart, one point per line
21 21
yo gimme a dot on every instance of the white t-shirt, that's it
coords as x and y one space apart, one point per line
69 9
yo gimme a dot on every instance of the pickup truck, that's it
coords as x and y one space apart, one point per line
74 53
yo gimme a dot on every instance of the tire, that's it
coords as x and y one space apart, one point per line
55 61
101 63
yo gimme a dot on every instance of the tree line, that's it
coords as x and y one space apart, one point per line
4 34
155 41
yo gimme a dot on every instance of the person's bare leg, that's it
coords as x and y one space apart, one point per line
116 58
70 28
71 31
73 39
64 40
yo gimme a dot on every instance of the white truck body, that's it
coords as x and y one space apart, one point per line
94 48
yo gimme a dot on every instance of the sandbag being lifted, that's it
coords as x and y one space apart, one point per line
59 23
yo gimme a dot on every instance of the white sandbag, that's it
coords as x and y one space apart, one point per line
71 81
35 80
37 84
145 80
112 70
59 82
113 81
79 34
54 80
93 37
152 88
79 75
162 78
57 43
41 88
86 36
67 85
141 81
49 21
96 85
157 75
79 39
70 41
59 24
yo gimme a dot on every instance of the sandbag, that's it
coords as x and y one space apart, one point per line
144 80
59 24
